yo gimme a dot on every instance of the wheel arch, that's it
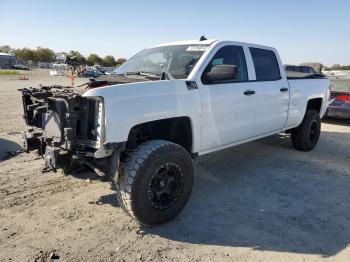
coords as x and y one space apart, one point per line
178 130
315 104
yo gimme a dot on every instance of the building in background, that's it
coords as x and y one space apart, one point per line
7 61
61 58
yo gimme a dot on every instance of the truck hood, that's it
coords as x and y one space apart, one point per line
107 80
122 91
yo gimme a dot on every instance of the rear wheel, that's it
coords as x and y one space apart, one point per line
305 136
155 181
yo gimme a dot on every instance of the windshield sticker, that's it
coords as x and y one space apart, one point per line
197 48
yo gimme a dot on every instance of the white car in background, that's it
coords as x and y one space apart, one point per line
58 70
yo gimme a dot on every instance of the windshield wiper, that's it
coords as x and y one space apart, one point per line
149 74
142 73
165 75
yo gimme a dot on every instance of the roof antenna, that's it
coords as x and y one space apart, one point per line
203 38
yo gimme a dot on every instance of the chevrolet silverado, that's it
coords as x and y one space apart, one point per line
166 106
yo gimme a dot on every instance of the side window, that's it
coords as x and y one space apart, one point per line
305 69
266 65
229 55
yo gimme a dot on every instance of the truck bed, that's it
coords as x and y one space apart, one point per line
298 75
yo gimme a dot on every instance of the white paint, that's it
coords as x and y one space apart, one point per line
220 115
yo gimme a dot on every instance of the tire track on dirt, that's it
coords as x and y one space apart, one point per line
35 190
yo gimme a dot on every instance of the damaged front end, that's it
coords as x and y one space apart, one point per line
67 128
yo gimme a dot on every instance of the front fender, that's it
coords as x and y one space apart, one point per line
131 104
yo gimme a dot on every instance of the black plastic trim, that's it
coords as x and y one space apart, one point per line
249 92
275 57
191 85
228 81
245 81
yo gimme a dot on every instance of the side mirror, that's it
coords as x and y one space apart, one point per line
222 73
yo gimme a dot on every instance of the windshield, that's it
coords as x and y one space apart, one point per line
177 60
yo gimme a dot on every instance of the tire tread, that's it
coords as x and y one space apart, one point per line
133 159
298 134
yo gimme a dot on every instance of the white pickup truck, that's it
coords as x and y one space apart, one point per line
167 105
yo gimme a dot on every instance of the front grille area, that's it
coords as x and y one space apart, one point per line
66 119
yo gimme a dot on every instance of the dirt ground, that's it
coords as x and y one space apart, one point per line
262 201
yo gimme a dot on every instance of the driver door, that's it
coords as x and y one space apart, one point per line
228 107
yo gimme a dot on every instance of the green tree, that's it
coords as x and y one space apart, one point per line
108 61
25 54
336 67
120 61
78 56
44 55
94 59
6 49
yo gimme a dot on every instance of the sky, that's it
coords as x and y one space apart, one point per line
302 31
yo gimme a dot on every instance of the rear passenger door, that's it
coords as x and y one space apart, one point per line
272 92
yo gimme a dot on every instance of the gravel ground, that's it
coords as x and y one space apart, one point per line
262 201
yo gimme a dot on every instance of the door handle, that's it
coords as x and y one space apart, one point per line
284 89
249 92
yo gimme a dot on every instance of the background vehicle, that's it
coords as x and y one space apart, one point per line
168 104
91 73
317 67
59 70
300 69
20 67
340 98
340 105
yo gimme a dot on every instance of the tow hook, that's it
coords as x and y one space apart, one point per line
97 171
106 167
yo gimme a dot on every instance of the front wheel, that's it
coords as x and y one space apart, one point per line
155 181
305 136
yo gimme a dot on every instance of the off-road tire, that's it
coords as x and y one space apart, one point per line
136 173
306 135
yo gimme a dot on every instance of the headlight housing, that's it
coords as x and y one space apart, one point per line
98 130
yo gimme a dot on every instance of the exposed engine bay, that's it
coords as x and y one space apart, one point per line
67 128
64 126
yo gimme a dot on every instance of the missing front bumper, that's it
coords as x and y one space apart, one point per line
58 158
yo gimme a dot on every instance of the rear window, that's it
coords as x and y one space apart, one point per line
266 65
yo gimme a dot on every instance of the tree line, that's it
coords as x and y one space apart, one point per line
338 67
48 56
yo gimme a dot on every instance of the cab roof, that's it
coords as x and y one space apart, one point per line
211 41
189 42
